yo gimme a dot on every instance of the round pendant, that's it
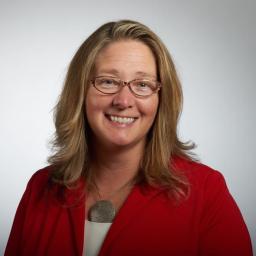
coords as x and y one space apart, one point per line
102 211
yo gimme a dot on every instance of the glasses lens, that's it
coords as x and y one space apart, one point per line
143 87
107 85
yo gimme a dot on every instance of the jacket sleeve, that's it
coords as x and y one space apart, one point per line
14 243
223 230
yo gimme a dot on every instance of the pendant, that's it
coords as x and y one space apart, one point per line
102 211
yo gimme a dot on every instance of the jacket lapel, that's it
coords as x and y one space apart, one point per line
76 218
76 215
139 197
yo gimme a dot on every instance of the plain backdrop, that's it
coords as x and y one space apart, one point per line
213 44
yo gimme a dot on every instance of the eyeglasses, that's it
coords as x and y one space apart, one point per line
138 87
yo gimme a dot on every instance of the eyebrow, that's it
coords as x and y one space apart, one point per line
116 72
144 74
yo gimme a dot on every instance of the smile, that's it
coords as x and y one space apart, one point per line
122 120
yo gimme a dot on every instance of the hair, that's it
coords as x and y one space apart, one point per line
71 158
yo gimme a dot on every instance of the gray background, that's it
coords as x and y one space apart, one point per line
213 44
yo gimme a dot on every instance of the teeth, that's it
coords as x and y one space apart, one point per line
122 120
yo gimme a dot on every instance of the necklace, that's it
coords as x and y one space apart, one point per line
103 211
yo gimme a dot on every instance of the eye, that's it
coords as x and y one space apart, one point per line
106 82
143 85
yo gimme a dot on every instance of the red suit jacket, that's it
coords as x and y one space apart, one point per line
149 223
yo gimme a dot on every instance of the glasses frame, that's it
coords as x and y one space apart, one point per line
124 83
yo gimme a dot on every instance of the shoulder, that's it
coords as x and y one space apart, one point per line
38 184
217 211
197 173
207 185
209 194
42 188
40 177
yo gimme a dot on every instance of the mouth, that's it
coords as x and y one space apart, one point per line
121 120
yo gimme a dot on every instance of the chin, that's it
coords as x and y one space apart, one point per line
121 143
126 143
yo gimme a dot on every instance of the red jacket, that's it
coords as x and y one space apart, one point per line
149 223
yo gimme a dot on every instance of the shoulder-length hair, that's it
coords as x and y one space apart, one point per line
71 157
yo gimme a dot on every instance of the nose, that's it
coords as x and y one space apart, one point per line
124 98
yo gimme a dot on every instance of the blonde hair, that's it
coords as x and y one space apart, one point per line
71 159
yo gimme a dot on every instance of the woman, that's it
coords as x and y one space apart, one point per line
121 182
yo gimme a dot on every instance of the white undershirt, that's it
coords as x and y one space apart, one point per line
95 234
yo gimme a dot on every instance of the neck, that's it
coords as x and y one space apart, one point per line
114 167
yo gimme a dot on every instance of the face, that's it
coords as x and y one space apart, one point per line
122 119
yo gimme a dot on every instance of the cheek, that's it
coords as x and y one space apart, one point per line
95 106
150 109
91 108
92 103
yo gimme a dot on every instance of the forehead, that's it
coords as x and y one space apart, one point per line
126 56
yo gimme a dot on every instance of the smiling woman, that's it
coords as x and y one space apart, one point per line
122 118
120 181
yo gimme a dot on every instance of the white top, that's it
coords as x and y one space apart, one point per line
95 234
